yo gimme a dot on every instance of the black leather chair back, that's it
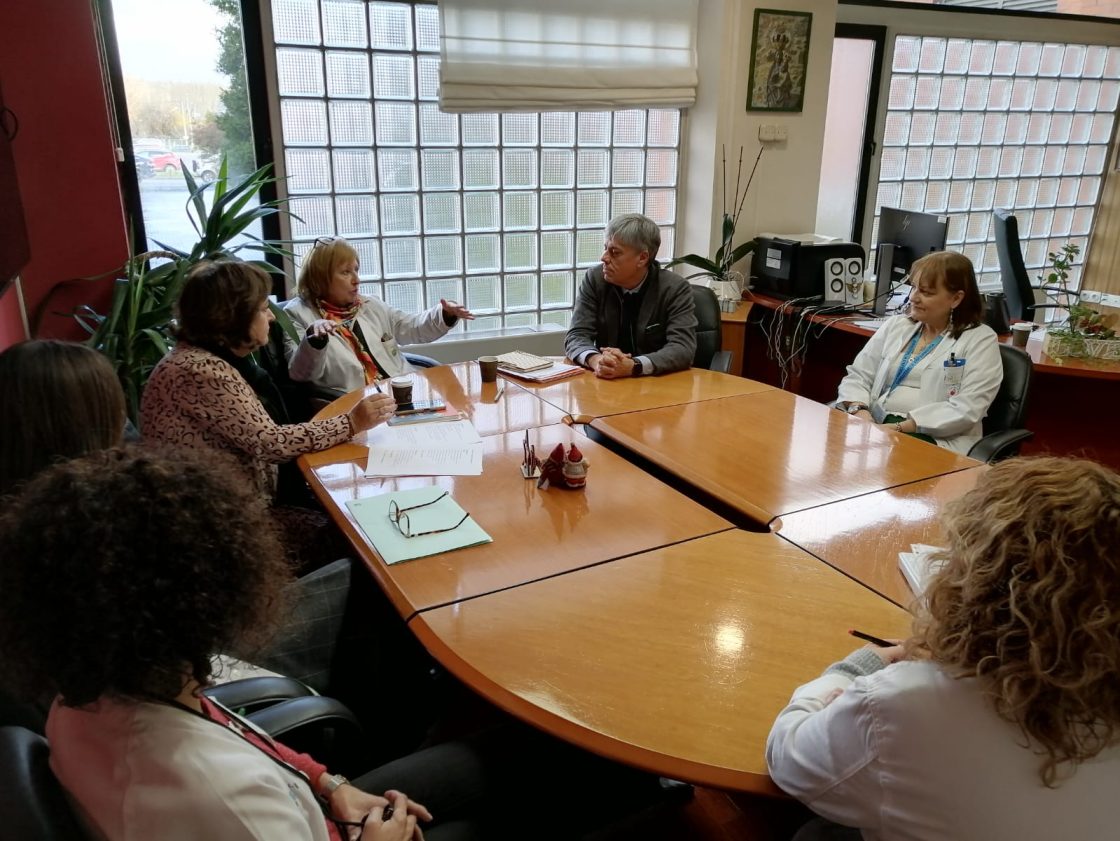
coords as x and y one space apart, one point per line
1010 406
707 326
1012 270
32 804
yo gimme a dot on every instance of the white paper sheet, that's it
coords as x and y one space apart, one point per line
449 434
425 461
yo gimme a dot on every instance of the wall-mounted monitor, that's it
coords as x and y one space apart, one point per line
904 236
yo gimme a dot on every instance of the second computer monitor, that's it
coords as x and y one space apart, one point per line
904 236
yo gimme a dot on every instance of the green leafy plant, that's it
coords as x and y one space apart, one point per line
1085 323
1061 262
137 329
719 266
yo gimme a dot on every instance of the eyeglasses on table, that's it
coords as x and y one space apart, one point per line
399 517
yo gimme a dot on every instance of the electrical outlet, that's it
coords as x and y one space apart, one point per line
1091 297
773 133
1111 301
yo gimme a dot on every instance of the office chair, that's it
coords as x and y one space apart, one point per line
1017 286
708 341
1003 432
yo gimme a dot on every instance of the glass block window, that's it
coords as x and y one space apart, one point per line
974 125
502 212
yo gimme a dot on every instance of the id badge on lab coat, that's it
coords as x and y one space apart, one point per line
952 375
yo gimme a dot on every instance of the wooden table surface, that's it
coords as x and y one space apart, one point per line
771 453
459 385
537 533
585 397
862 537
676 660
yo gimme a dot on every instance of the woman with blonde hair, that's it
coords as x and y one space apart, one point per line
349 339
933 372
1000 718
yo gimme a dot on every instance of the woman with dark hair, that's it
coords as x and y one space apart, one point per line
1000 718
61 400
934 372
168 557
351 340
207 392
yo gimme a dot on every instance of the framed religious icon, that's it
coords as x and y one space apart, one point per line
779 60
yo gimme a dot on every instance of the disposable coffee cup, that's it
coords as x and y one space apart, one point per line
1020 332
488 365
402 390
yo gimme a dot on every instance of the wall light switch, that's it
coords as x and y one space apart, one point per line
1091 297
772 133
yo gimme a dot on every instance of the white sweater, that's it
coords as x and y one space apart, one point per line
908 753
142 771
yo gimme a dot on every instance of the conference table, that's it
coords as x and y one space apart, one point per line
628 618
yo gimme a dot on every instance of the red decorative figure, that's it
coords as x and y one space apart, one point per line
575 468
552 470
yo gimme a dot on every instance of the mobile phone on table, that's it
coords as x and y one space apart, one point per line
419 406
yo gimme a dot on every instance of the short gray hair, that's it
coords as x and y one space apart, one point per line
636 231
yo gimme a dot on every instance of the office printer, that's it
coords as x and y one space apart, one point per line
793 265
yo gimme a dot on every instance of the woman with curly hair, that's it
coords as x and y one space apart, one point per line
167 558
1000 718
351 340
61 400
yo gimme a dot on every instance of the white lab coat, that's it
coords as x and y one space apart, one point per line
385 329
953 422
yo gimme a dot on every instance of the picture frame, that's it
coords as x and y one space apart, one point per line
779 60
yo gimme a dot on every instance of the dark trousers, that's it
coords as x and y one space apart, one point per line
514 782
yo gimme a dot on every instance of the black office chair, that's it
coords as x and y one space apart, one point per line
708 341
33 806
1003 432
1017 286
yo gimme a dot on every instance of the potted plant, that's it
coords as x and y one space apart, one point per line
1085 334
718 268
136 331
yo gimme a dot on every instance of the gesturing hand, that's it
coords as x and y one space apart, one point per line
321 327
454 310
372 410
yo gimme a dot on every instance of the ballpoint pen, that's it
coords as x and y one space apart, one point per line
498 395
882 643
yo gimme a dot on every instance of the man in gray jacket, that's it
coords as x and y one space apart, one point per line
632 318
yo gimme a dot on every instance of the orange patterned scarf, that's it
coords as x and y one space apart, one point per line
345 319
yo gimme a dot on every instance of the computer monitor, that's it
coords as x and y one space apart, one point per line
904 236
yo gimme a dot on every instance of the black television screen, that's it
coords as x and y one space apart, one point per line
904 236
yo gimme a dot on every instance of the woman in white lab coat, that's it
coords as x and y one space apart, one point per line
935 371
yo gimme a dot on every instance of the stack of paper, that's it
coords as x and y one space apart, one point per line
453 448
372 515
555 371
919 565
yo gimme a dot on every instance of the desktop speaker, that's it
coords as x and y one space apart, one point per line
843 280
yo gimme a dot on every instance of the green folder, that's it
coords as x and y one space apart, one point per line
372 514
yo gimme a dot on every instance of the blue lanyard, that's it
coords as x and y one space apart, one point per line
910 362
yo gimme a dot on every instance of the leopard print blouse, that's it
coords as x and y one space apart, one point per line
194 399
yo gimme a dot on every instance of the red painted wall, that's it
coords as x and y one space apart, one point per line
64 156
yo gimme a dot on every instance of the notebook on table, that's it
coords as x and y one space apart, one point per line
919 565
520 361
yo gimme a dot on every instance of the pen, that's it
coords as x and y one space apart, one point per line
882 643
498 395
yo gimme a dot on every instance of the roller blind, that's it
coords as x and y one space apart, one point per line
586 55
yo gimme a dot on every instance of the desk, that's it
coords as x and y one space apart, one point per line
733 335
771 453
460 386
862 537
536 533
676 660
1070 403
585 397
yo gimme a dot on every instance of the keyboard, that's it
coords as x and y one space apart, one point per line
519 360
